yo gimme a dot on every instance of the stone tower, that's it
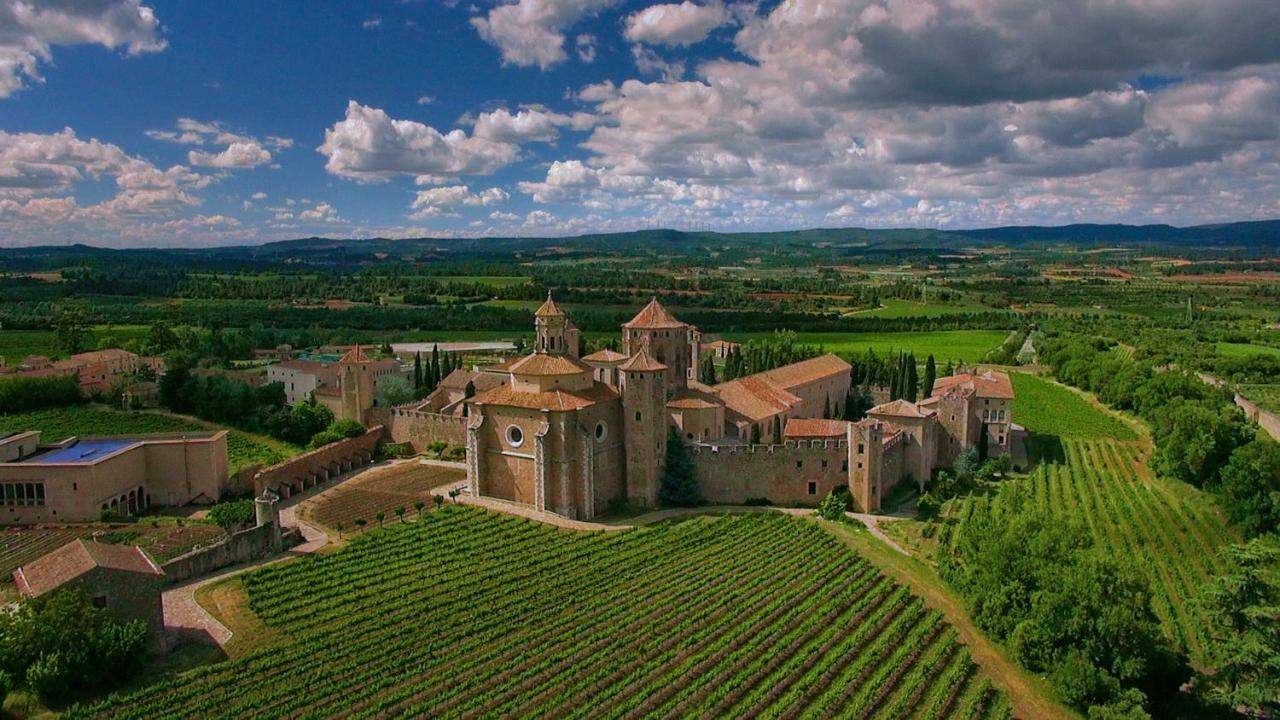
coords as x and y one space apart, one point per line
266 512
556 335
644 412
667 340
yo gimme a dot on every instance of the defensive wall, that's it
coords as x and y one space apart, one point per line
797 472
420 428
312 468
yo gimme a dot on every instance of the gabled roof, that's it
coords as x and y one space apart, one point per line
107 355
555 400
641 362
715 344
548 308
755 398
354 355
898 408
542 365
605 356
807 371
989 384
653 317
76 558
815 427
694 397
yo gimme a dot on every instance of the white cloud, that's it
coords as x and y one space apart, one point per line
586 45
437 201
372 23
531 32
671 24
425 99
370 146
30 30
503 217
322 213
649 62
259 196
237 155
539 218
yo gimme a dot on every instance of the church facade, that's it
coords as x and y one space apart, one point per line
571 435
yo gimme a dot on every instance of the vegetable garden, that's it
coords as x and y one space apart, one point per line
467 613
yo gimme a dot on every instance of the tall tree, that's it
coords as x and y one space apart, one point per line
777 431
1244 605
913 379
679 477
930 375
417 370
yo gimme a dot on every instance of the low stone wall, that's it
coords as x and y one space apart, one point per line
236 548
1266 420
311 468
420 429
782 474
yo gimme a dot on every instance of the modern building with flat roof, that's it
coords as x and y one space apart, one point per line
76 480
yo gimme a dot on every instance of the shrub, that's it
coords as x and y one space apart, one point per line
232 513
24 394
323 438
347 428
835 504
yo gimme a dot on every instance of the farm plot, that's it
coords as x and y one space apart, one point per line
1047 408
956 345
1168 529
469 613
380 490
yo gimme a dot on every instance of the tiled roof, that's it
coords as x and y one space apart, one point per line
542 364
551 400
987 385
309 366
458 379
548 308
806 371
696 396
605 355
815 427
76 558
755 398
898 408
641 362
653 317
102 355
716 344
354 355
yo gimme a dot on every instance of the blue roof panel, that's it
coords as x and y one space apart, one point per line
84 451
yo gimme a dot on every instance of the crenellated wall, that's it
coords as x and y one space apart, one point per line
420 429
734 474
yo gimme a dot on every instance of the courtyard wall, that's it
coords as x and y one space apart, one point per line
798 472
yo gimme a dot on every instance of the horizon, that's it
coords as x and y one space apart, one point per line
556 118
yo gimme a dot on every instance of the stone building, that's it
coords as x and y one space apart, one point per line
348 387
572 435
77 479
122 579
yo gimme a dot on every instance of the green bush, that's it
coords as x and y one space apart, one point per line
835 504
24 394
233 513
347 428
323 438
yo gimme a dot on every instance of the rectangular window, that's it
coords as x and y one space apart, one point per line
22 494
844 466
861 448
637 416
824 464
799 464
813 488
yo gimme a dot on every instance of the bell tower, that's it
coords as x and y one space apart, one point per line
555 334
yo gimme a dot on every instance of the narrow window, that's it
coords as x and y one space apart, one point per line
813 488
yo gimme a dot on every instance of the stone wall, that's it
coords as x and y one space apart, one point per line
734 474
420 429
1266 420
311 468
236 548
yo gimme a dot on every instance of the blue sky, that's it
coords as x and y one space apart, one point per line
145 122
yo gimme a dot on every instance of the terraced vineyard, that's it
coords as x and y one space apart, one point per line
469 613
379 490
1168 529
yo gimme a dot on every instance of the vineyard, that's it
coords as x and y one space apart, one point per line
1167 529
164 542
379 490
1047 408
470 613
243 449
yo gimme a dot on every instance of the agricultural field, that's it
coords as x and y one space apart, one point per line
944 345
243 449
1235 350
899 308
378 490
1045 407
1167 529
468 613
163 542
17 344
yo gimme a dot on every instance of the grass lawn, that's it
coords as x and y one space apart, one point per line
243 449
944 345
1234 350
1045 407
17 344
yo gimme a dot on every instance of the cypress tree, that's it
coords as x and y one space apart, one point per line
417 370
755 434
679 479
913 379
777 431
982 444
930 374
435 366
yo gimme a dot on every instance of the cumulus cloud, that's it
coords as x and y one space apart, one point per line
438 201
237 155
239 151
671 24
369 146
531 32
30 30
322 213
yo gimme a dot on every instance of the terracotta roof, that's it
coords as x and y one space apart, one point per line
548 308
898 408
653 317
102 355
987 385
76 558
458 379
310 366
642 362
558 400
605 355
542 364
755 398
720 344
695 396
806 371
815 427
354 355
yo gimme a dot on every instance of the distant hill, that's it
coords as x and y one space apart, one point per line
803 243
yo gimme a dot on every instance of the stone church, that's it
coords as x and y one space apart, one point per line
569 434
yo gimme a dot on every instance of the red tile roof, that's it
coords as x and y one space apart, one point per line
815 427
807 371
755 398
605 355
641 362
542 365
548 308
76 558
653 317
987 385
898 408
556 400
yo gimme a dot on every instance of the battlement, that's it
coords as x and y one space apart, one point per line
814 444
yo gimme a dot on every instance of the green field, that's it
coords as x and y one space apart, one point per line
958 345
17 344
490 280
466 613
899 308
1047 408
1236 350
243 449
1168 530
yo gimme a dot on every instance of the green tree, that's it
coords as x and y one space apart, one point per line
417 370
417 506
1193 441
913 379
160 339
393 391
438 447
1249 487
835 504
73 334
930 375
679 486
1244 604
777 431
